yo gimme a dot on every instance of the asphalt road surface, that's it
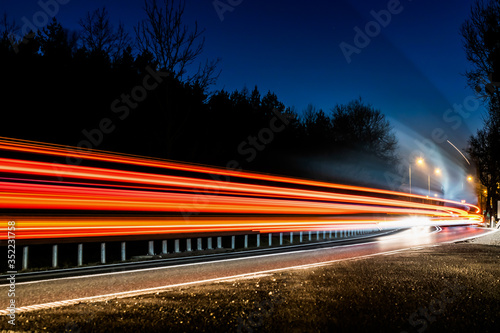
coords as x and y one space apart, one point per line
69 290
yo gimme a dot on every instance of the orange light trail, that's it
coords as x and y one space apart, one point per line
30 186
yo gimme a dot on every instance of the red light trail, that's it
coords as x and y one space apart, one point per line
33 186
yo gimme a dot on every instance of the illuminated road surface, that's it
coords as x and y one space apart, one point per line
43 294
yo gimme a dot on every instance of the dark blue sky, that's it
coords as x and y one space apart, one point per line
410 70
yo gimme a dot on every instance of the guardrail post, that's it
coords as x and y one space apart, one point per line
123 251
270 239
291 237
219 242
209 243
25 257
330 236
335 233
80 255
164 249
300 237
246 242
258 240
151 248
103 253
176 246
324 234
54 255
233 241
188 245
281 238
199 247
309 235
317 235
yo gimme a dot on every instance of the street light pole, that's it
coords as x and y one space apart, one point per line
409 172
429 183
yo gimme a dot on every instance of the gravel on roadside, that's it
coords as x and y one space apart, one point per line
448 288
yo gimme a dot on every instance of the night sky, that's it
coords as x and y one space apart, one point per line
412 69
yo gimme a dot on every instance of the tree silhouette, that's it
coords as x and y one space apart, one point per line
56 42
7 28
75 80
99 36
481 39
483 150
363 128
173 44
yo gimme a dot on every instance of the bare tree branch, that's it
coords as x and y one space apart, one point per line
174 46
8 29
99 36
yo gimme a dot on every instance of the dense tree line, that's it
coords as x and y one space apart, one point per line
98 89
481 38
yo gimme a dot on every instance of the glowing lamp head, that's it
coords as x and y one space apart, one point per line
469 178
437 171
420 161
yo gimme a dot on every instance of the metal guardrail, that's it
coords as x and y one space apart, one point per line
100 251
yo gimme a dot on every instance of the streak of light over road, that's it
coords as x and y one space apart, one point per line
54 198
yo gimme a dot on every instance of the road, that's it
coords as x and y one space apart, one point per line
70 290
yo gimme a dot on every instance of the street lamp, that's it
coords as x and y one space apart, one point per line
419 161
469 179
